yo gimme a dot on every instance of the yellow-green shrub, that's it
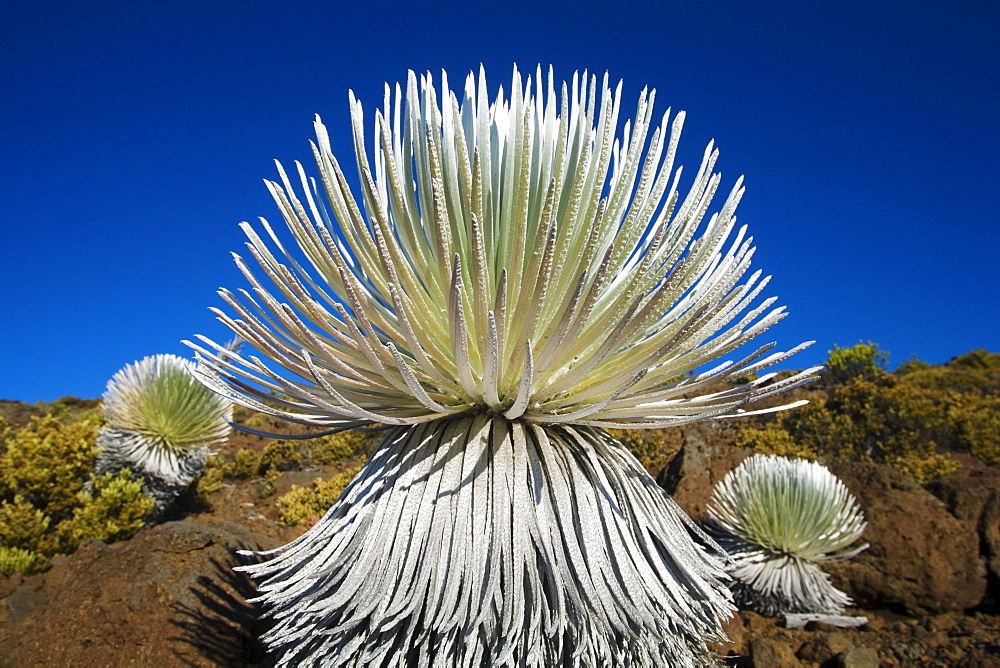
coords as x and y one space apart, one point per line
211 478
44 507
862 360
343 446
244 464
773 440
976 373
894 424
15 560
301 505
924 469
115 510
47 462
654 448
910 420
977 425
21 524
285 455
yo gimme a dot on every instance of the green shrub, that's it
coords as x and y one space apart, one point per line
976 372
15 560
862 360
888 419
911 420
654 448
47 462
773 440
21 524
889 423
912 365
977 425
285 455
302 505
924 469
211 478
979 359
343 446
115 510
45 505
244 465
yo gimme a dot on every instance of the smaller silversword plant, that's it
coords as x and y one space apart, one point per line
778 519
162 423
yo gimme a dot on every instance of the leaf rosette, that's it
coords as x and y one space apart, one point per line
161 421
515 275
513 257
778 519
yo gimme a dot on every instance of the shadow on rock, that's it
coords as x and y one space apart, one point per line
225 629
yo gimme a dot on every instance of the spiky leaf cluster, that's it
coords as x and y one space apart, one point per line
778 518
161 421
514 275
514 257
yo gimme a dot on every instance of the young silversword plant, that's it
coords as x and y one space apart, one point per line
162 424
778 519
514 279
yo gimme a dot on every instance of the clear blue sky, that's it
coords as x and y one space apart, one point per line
134 137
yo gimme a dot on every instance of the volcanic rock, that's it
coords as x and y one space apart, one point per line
922 559
702 462
168 597
973 495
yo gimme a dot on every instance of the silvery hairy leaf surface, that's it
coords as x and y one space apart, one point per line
778 519
162 424
512 275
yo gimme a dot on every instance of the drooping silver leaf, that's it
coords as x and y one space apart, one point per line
512 276
478 541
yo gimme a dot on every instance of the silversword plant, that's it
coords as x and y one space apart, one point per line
516 276
779 519
162 424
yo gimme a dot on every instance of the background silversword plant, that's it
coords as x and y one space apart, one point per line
162 423
516 276
778 518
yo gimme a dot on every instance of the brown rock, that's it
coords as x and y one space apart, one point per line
704 460
967 492
822 627
875 623
857 657
973 495
989 530
921 560
944 622
756 622
771 652
823 647
737 634
168 597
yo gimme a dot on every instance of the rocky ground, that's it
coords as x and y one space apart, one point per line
928 584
